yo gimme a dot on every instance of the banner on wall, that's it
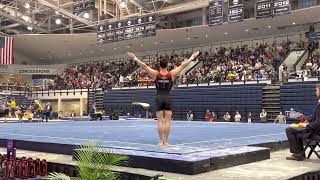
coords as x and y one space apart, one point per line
134 27
236 9
215 12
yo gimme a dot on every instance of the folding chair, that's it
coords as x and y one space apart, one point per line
311 142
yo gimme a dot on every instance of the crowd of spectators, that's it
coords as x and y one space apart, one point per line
93 75
217 65
222 64
310 69
240 63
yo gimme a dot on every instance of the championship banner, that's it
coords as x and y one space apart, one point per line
281 7
264 9
109 32
215 13
119 30
136 27
150 25
235 13
139 27
80 6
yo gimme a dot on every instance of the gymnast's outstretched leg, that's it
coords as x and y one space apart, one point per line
168 117
160 117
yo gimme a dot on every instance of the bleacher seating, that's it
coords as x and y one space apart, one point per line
220 99
21 99
300 96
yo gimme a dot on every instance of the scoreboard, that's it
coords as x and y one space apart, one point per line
137 27
80 6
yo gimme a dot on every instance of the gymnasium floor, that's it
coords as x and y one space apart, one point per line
185 137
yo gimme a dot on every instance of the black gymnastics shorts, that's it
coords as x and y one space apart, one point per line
163 102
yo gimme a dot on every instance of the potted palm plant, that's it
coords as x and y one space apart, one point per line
93 163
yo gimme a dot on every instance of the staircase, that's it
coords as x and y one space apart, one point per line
98 99
271 101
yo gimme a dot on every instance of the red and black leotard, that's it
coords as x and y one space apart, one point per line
164 85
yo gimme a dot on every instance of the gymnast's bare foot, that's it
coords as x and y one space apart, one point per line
166 144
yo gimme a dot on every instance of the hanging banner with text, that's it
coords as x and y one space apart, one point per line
236 13
215 13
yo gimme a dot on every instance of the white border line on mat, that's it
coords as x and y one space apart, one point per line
217 140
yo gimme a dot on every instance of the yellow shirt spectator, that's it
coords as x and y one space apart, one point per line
39 107
13 105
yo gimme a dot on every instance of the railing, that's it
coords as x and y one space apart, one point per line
33 91
203 84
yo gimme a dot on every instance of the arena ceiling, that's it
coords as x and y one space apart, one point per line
68 48
40 16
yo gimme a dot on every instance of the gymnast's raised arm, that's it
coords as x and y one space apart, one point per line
151 72
175 72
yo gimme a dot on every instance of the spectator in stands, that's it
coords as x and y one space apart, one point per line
38 109
73 114
208 116
227 117
281 118
60 115
47 111
12 106
296 134
303 118
214 116
19 114
263 116
237 117
190 116
250 118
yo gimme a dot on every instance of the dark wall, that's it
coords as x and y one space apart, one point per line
220 99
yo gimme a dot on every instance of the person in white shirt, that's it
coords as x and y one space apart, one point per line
237 117
189 116
263 116
227 117
250 118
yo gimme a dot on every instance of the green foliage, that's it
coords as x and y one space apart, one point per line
93 163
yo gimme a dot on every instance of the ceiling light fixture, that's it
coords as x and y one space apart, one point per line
29 28
86 15
27 5
58 21
123 4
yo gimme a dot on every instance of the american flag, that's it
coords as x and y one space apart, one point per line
6 50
